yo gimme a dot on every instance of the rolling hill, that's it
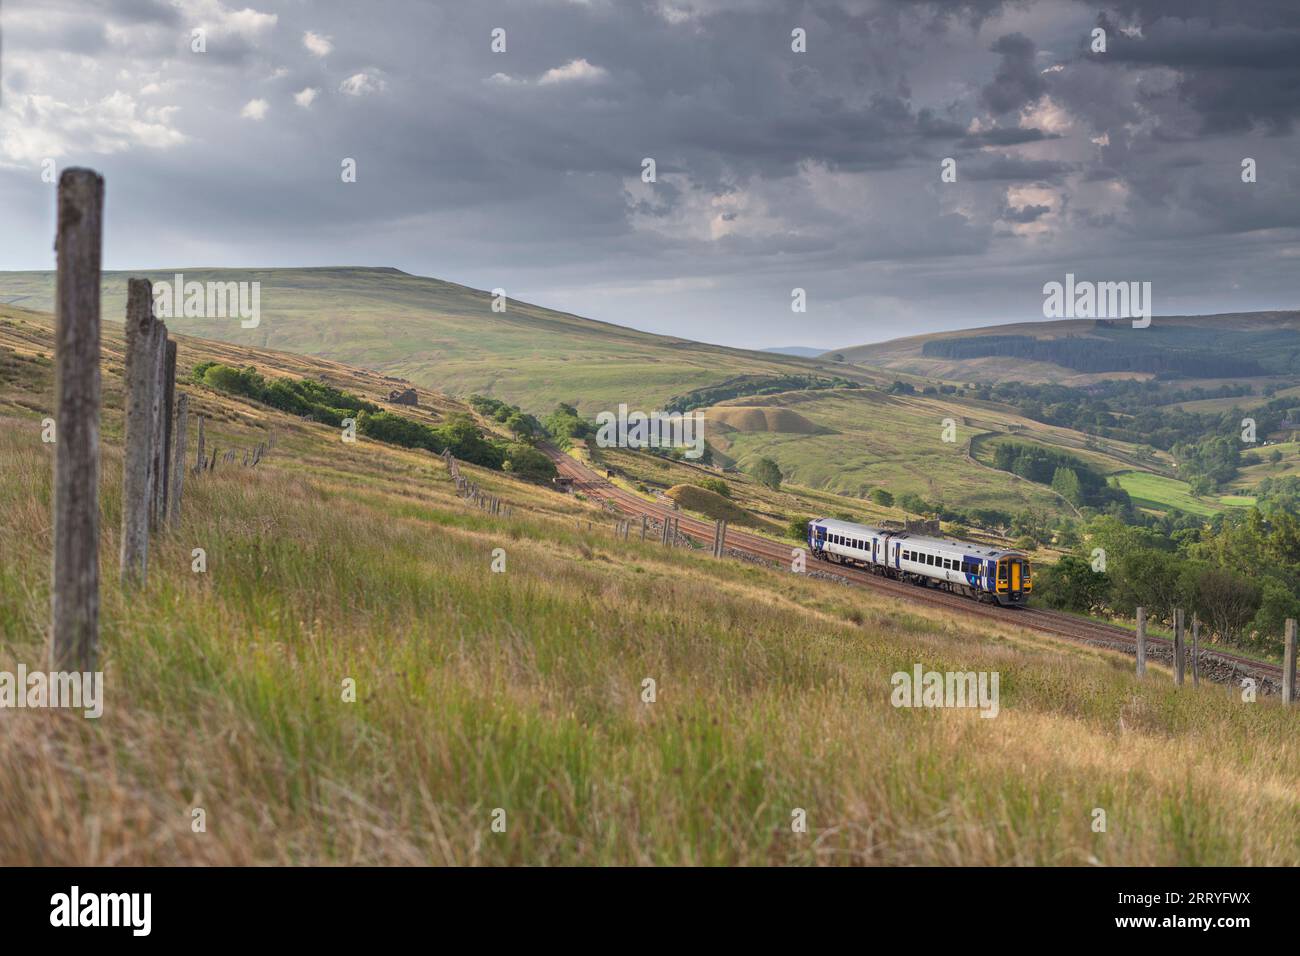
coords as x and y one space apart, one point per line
443 335
1264 346
523 691
844 439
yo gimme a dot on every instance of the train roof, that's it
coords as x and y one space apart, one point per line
923 541
968 547
835 524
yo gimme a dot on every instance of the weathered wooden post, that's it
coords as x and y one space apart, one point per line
138 456
159 360
1196 650
74 595
178 466
1288 664
1142 642
722 539
199 460
1180 651
644 522
212 462
169 402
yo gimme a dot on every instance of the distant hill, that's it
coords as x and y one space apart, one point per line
797 350
1256 345
446 336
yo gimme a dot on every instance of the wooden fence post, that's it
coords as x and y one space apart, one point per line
178 466
169 402
1288 664
199 461
1142 642
644 522
74 595
1196 650
212 462
138 456
159 359
1180 651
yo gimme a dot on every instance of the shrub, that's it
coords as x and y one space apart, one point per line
717 486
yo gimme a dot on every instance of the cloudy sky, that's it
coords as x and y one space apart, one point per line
775 169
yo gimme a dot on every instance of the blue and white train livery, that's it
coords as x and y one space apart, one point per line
1000 576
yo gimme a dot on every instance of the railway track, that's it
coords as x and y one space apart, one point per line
1218 666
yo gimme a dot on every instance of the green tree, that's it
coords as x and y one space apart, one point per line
1225 601
527 462
717 486
1072 585
882 497
1065 482
767 472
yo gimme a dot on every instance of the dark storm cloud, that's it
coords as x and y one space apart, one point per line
1005 168
1233 75
775 169
1018 80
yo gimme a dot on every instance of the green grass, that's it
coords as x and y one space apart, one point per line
1160 494
522 691
446 336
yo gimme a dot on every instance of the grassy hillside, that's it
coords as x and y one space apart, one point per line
443 335
868 439
1270 341
522 691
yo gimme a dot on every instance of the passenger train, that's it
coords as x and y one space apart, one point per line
990 575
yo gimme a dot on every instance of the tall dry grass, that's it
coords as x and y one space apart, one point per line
522 691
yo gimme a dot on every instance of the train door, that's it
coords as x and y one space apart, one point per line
1015 576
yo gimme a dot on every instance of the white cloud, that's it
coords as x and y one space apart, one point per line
363 83
574 70
34 127
317 44
220 20
306 97
255 109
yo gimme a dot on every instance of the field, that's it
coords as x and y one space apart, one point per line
867 439
522 692
1159 493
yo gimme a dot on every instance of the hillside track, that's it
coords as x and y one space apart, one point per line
1218 666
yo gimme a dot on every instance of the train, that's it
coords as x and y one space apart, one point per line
998 576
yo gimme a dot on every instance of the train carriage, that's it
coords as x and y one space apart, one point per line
988 574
